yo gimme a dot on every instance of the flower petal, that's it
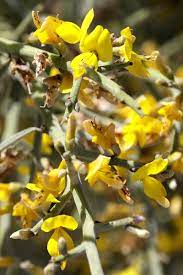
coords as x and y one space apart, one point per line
154 189
154 167
87 20
69 32
52 245
104 46
59 221
80 63
90 41
33 187
95 166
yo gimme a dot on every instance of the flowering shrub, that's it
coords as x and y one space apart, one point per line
91 136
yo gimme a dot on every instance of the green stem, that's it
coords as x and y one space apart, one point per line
14 138
88 224
26 51
73 98
36 149
76 251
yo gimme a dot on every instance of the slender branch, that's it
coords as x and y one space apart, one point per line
14 138
36 149
88 225
111 225
112 87
26 51
76 251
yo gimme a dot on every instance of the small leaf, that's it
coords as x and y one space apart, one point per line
14 138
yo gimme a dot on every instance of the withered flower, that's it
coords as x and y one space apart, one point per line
53 90
22 71
41 61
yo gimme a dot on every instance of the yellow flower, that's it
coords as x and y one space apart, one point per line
126 49
94 46
46 143
7 189
67 83
171 111
25 210
50 185
6 209
53 30
98 40
103 136
153 188
83 61
142 131
56 223
6 192
140 63
147 103
100 170
176 161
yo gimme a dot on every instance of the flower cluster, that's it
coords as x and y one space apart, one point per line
96 46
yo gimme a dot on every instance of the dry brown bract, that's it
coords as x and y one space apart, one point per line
53 83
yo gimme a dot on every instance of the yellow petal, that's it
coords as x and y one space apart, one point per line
157 166
87 20
104 46
95 166
152 168
69 32
147 103
138 68
52 245
47 32
154 189
59 221
51 198
42 36
80 63
90 41
67 83
6 209
130 139
4 193
33 187
127 33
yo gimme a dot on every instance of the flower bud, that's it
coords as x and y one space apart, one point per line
62 246
22 234
139 232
